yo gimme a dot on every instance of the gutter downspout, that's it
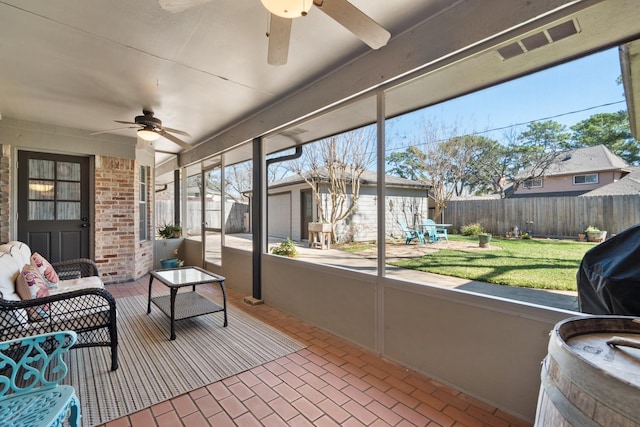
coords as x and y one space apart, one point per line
257 209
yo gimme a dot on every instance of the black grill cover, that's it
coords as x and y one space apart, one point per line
609 276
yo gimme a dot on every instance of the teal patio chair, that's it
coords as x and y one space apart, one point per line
31 370
434 232
411 234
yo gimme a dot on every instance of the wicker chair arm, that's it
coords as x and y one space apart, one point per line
84 266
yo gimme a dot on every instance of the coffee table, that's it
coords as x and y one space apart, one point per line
184 305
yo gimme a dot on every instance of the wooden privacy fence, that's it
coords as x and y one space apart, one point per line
236 221
547 216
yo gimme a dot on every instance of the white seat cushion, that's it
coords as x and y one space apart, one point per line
75 284
9 270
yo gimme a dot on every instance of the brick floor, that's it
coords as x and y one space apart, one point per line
331 382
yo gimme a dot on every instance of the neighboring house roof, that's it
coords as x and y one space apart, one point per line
367 178
629 184
585 160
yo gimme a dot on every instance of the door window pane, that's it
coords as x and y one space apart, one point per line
68 210
68 171
41 211
42 169
40 190
68 191
59 182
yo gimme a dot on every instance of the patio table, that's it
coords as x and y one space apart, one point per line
179 306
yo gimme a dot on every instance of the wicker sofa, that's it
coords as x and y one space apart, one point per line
79 303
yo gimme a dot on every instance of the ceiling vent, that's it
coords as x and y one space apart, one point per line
540 39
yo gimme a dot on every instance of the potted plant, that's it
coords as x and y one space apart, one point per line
286 248
170 231
484 239
594 234
172 262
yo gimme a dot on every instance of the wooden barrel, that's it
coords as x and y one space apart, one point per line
591 374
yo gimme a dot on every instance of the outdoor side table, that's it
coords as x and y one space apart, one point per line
184 305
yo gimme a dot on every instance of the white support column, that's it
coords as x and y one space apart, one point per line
381 235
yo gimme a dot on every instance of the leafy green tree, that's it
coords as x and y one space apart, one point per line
544 136
526 155
408 164
488 168
609 129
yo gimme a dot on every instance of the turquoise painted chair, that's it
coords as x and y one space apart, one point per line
433 232
31 370
411 234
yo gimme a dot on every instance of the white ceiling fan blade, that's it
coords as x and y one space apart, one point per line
356 21
178 131
127 123
175 6
279 36
175 140
112 130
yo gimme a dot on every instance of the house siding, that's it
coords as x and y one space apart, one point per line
405 204
564 183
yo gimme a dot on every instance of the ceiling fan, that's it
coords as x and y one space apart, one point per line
283 11
150 129
346 14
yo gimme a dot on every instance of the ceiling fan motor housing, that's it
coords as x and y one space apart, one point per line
148 120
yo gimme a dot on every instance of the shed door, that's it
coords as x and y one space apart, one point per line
279 215
53 205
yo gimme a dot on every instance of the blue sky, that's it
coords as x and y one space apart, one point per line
552 93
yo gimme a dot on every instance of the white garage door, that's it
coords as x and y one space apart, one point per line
279 215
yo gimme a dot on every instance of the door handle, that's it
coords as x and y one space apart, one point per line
84 224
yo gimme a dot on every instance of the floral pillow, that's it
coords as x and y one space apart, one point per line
46 269
29 285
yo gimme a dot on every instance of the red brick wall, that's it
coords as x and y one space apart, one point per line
119 253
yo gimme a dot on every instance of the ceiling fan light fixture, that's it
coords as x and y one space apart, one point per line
288 8
148 134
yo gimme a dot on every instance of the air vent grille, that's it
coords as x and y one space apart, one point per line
540 39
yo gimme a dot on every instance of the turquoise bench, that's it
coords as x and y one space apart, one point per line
31 370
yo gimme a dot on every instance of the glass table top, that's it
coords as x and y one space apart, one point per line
182 276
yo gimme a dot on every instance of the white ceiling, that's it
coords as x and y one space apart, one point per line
84 63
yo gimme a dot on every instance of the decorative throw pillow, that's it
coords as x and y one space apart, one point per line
46 269
29 285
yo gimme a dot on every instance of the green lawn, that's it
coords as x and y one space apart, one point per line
543 264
